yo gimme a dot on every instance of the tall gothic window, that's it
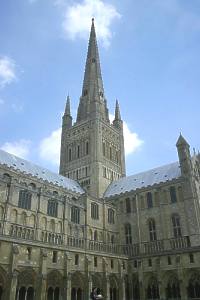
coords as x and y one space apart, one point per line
52 208
25 199
173 196
78 151
87 148
149 200
94 211
75 214
70 154
176 225
152 230
104 149
128 205
111 216
128 235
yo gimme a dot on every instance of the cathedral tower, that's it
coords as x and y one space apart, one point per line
92 149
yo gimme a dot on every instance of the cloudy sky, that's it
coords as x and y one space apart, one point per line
150 61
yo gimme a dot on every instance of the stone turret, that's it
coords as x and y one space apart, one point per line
184 155
67 118
117 122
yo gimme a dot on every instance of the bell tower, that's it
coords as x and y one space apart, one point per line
92 149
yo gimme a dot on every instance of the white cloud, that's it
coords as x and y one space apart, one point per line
7 71
78 17
20 148
132 142
49 148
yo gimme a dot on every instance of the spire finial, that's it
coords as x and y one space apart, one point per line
67 107
117 111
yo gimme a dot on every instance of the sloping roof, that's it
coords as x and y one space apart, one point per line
145 179
26 167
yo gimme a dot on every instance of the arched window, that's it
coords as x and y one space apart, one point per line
25 199
152 230
112 238
176 225
87 148
110 154
95 235
76 259
149 200
128 235
70 154
78 151
194 287
173 196
94 211
111 216
52 208
128 205
75 214
104 149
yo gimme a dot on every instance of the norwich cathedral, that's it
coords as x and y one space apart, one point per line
134 237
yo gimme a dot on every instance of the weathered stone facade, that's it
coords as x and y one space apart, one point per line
133 237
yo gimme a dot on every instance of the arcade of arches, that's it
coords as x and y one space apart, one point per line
112 288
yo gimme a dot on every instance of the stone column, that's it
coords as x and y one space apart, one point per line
13 286
107 288
130 282
89 286
183 290
69 287
161 286
123 289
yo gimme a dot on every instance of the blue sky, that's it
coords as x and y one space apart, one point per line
149 51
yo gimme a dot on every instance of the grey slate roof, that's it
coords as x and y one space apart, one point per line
26 167
145 179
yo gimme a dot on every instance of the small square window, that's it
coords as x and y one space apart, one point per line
95 261
135 264
150 262
29 250
111 264
76 260
55 257
191 255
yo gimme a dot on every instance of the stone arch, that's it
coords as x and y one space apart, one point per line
97 281
26 284
23 218
3 280
90 234
54 285
1 212
194 286
77 286
114 287
152 291
43 223
59 227
135 288
172 287
14 216
32 186
31 220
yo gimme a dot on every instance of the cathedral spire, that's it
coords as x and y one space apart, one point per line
67 118
92 101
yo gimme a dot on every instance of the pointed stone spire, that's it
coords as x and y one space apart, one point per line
67 107
92 101
117 111
67 118
117 122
